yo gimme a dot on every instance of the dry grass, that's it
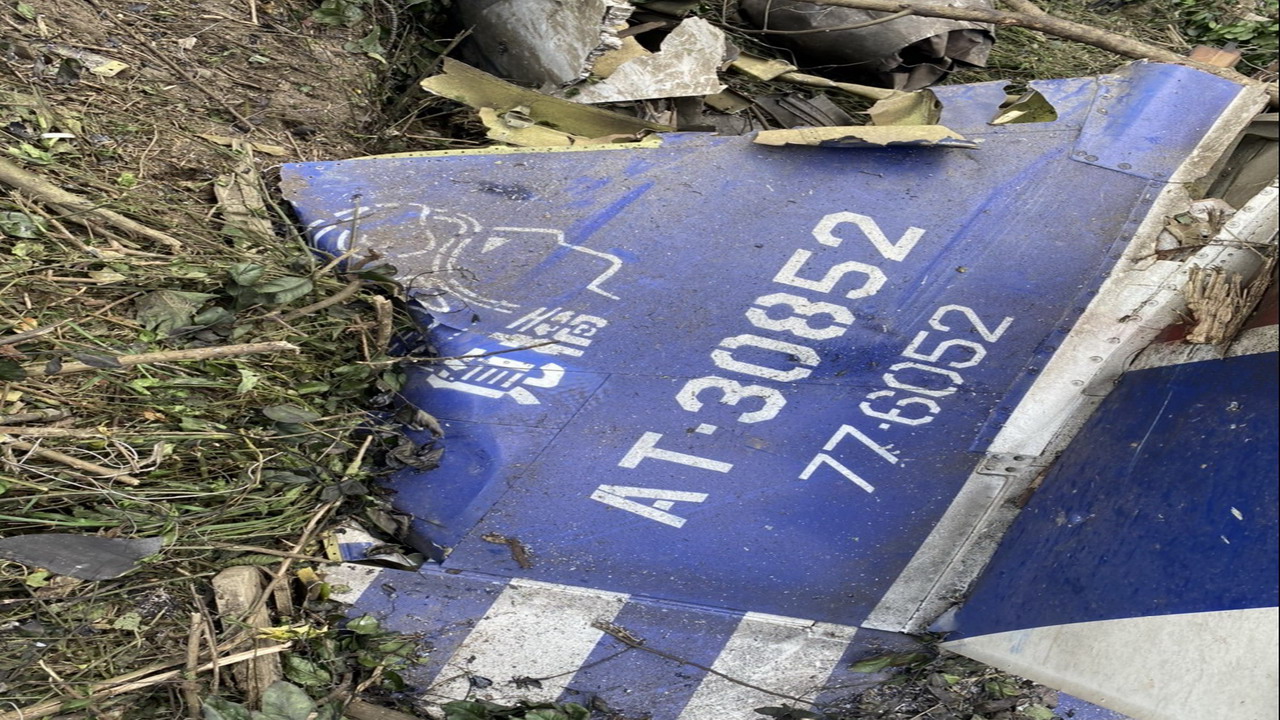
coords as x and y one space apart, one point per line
217 478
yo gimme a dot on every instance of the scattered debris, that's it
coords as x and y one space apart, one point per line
519 552
918 108
240 199
1030 107
685 66
1202 221
478 89
1220 302
87 557
896 50
866 136
97 64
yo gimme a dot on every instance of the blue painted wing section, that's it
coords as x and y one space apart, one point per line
1165 503
730 375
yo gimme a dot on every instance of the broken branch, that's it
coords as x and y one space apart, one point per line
77 209
1056 26
38 415
206 353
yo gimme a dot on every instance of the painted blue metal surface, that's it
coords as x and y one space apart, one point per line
1165 503
713 380
739 306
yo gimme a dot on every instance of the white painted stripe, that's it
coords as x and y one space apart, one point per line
786 655
534 629
1169 667
349 581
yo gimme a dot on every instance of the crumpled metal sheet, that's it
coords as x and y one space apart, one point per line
906 54
541 42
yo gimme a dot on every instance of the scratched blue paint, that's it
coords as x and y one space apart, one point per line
640 266
1165 503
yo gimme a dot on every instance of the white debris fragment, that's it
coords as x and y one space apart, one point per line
686 65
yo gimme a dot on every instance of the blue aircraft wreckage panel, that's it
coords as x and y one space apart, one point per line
717 377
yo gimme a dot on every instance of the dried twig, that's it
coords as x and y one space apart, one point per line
42 415
69 461
384 312
190 691
16 338
205 353
347 291
127 684
1056 26
77 209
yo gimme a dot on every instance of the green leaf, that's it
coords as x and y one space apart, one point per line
21 225
11 371
31 154
364 625
37 579
165 311
1001 688
213 316
26 10
215 708
284 476
338 12
470 710
314 386
286 701
285 290
131 621
305 673
290 414
370 44
245 273
127 180
197 425
876 664
248 380
1039 712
